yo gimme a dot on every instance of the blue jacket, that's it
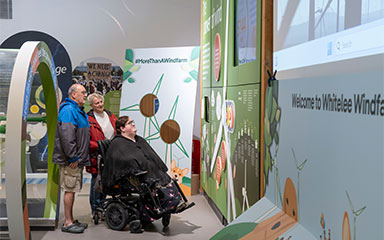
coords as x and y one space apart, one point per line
72 135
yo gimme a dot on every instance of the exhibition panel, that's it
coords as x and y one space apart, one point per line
159 93
231 105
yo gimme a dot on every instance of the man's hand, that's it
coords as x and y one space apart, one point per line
74 164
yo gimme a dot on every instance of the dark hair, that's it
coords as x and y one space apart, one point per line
120 122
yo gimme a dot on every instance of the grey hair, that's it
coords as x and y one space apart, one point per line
72 88
93 96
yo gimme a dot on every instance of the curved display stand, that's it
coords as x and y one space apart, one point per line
32 58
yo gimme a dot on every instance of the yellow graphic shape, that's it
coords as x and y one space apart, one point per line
34 109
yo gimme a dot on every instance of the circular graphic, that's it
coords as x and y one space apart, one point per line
39 97
34 109
149 105
38 130
169 131
217 56
346 228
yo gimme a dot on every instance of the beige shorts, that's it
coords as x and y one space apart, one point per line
71 179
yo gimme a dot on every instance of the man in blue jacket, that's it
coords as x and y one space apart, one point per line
71 151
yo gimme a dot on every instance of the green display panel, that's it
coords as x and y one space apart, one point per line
231 104
243 132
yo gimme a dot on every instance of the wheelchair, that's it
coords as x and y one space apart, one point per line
125 201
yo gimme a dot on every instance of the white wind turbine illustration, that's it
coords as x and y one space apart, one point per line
299 168
355 214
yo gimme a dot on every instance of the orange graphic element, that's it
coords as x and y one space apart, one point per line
290 201
322 221
26 221
178 174
346 235
223 155
217 56
218 171
230 116
275 226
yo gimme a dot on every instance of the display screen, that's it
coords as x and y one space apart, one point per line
315 32
245 30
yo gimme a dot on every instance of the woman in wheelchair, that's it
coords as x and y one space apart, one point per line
129 157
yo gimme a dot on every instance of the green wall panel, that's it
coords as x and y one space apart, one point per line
230 111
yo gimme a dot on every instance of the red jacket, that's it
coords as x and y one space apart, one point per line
96 134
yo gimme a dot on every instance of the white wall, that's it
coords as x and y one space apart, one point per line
105 28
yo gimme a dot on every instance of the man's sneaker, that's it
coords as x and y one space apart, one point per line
73 228
83 225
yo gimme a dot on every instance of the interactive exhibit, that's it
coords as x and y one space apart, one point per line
21 205
323 127
230 103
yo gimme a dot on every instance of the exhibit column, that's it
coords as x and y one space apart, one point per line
32 55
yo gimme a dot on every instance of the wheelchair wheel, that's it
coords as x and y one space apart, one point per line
96 218
135 226
116 216
166 219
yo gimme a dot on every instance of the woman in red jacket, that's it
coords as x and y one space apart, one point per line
102 126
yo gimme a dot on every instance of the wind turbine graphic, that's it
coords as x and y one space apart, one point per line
148 113
169 133
222 129
355 214
244 189
277 178
299 168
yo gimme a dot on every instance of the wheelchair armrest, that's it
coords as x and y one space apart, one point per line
141 173
150 183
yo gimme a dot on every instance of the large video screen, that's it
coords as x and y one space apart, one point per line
322 31
245 30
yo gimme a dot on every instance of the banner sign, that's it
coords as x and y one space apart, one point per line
97 72
159 92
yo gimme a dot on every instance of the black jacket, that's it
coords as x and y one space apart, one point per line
125 157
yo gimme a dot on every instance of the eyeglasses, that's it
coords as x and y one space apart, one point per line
130 122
